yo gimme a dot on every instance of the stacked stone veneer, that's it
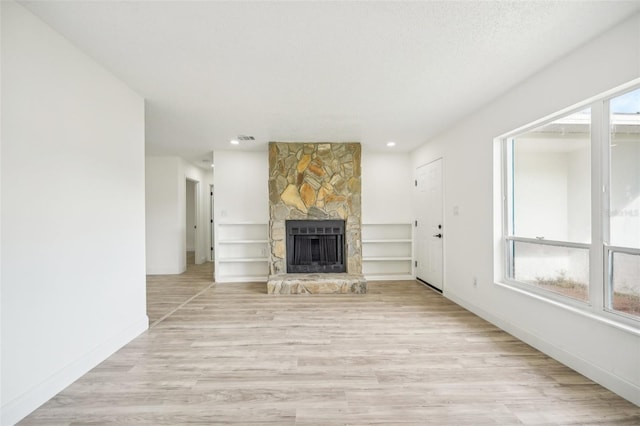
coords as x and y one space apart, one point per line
314 181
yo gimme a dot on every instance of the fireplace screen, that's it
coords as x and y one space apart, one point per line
315 246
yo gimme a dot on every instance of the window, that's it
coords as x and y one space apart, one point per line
623 250
550 206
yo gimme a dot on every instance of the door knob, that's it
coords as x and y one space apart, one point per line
438 235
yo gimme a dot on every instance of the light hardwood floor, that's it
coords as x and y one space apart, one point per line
166 293
401 354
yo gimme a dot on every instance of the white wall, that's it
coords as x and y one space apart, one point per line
549 173
625 197
73 284
581 341
541 180
163 227
387 181
242 191
241 186
579 195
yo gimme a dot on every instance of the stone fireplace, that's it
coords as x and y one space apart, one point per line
314 202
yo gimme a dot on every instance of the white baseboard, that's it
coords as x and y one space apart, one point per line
396 277
241 279
615 384
17 409
163 270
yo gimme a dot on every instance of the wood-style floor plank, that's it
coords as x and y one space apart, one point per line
401 354
166 293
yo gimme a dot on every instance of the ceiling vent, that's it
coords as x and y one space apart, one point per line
246 138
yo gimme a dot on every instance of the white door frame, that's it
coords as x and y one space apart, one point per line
197 236
212 253
421 257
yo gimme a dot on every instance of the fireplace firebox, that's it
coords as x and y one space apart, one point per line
315 246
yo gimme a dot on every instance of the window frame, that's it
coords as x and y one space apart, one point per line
507 195
609 250
600 252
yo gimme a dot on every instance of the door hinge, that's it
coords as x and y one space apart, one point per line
416 223
416 263
415 182
211 220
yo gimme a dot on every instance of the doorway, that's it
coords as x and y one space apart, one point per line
429 225
191 217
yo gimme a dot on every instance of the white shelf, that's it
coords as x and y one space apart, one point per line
386 231
385 259
243 242
242 279
386 277
243 259
242 231
386 241
241 252
387 251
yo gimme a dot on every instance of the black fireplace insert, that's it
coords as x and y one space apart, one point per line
315 246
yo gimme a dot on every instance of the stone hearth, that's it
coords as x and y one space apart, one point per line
315 181
316 284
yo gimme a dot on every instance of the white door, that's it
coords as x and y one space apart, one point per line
429 227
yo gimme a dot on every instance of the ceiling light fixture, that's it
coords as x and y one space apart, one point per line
391 144
234 142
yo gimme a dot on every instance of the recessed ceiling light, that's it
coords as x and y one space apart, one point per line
234 142
391 144
212 165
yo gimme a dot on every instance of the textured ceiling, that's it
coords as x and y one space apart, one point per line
320 71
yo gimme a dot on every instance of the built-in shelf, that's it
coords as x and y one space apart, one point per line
241 252
243 242
384 259
244 259
387 251
387 241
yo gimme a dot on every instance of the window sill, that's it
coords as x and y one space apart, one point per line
579 308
